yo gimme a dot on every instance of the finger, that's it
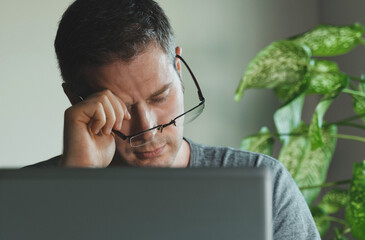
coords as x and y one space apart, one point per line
98 119
115 109
120 109
110 114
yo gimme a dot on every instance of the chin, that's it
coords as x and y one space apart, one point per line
160 161
156 155
164 159
154 163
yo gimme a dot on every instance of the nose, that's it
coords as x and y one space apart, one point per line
143 118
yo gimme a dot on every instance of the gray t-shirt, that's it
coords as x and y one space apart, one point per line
291 216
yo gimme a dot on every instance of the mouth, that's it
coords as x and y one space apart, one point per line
150 154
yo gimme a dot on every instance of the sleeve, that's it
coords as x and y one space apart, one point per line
291 216
53 162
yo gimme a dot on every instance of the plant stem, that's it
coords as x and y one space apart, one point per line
334 219
352 125
274 134
346 229
352 86
357 79
349 137
330 184
348 119
352 92
288 134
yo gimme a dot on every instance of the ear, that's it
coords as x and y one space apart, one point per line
74 99
178 51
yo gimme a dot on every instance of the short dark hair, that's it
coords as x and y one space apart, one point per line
96 32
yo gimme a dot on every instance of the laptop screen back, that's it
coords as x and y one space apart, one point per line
135 203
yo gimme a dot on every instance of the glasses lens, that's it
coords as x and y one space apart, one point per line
156 136
190 115
153 136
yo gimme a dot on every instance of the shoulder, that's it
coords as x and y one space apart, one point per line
210 156
213 156
291 215
52 162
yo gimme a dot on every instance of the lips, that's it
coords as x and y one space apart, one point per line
150 154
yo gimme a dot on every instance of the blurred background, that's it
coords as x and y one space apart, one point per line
218 39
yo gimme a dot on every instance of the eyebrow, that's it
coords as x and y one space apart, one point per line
156 93
161 90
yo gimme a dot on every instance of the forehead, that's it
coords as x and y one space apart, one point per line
137 79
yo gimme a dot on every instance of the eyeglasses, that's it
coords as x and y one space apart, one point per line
154 134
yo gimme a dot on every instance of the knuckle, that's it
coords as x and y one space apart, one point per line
106 92
103 98
69 112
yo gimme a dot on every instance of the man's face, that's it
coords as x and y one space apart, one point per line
150 88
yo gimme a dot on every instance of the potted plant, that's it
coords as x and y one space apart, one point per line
294 68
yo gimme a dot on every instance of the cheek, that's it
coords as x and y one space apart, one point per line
173 107
178 102
122 145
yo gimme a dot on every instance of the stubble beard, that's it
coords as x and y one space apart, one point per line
129 156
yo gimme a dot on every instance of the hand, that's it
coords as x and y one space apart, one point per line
88 137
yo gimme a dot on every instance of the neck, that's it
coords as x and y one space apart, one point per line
182 159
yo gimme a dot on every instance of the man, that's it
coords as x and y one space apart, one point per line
122 74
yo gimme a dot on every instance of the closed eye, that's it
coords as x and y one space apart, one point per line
159 99
162 95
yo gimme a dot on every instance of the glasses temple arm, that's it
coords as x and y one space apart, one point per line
201 97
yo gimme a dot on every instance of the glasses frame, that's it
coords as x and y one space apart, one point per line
173 121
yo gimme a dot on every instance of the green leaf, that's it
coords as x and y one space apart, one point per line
339 235
327 40
315 133
359 102
313 170
294 152
355 209
281 63
321 219
326 78
308 167
341 238
288 117
335 199
261 142
289 92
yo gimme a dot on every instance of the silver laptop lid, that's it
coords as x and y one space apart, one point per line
136 203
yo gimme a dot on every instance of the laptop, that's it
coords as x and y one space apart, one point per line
136 203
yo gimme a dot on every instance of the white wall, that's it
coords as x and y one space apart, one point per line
218 38
31 100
